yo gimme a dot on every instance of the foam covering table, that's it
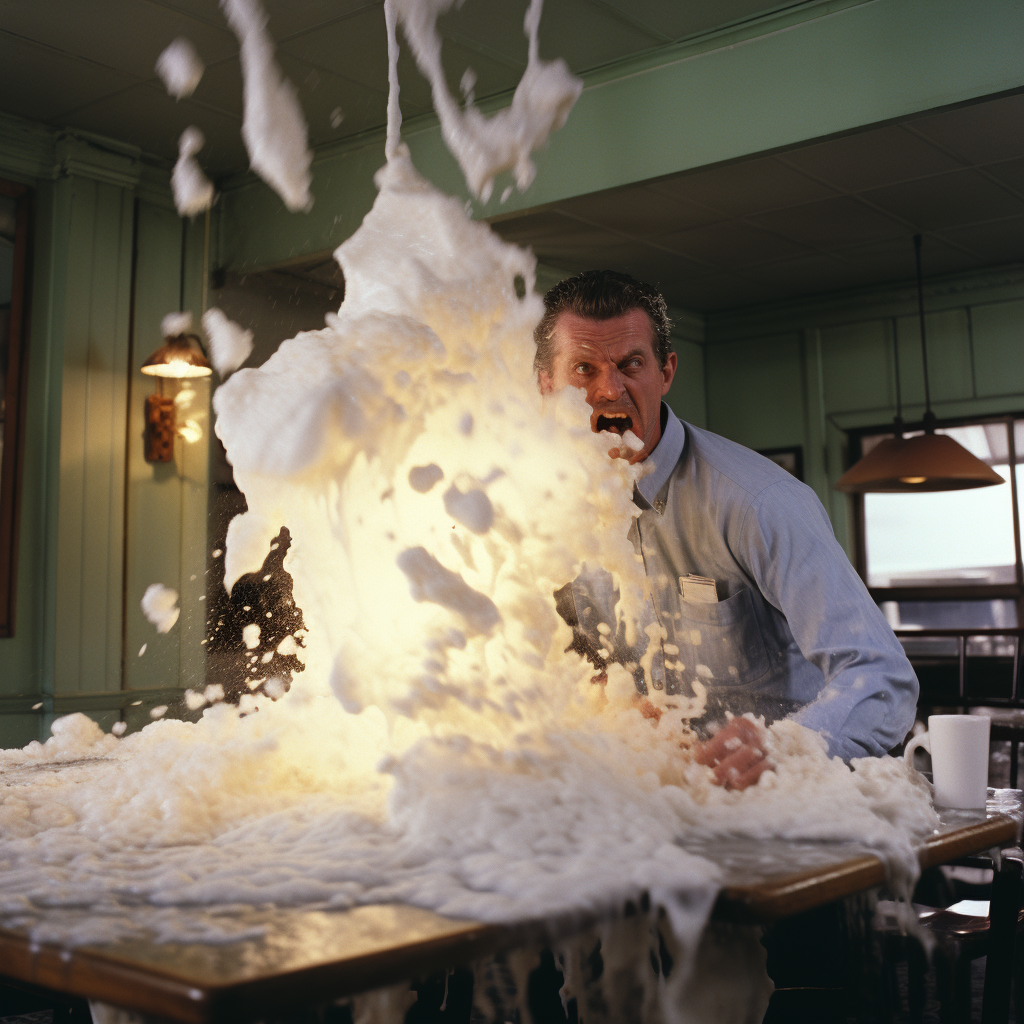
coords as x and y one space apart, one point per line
310 957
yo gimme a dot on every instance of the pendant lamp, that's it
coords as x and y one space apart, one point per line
928 462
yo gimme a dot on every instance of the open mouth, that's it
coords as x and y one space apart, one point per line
616 422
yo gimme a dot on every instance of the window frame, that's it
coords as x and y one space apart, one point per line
942 592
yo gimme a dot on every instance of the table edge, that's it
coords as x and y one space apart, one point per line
93 973
792 894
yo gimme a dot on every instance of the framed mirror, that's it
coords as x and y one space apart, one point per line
14 226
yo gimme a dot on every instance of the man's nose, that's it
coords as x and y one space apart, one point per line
608 387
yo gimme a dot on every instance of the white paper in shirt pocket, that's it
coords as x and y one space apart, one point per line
721 644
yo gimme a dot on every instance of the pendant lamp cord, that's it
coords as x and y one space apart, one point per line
929 416
898 421
181 273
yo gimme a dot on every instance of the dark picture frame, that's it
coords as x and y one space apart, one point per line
789 459
14 233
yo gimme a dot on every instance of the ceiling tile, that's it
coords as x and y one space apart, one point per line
674 20
586 36
147 117
732 244
639 211
717 292
831 223
739 190
533 228
219 89
947 200
288 18
801 277
870 159
494 28
34 80
981 133
322 93
357 49
1010 173
656 267
100 31
893 260
993 243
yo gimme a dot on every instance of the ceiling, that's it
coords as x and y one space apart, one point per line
822 218
89 65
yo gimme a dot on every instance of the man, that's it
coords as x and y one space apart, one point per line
787 627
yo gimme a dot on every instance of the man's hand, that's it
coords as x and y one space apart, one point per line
736 753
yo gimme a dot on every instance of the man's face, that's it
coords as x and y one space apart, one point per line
614 362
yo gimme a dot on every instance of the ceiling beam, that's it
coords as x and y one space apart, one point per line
811 72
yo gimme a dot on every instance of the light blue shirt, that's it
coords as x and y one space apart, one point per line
794 630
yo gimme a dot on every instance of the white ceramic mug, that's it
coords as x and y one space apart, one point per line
959 748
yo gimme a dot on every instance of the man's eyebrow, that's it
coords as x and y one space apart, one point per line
638 351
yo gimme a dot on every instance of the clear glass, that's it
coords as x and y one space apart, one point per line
945 537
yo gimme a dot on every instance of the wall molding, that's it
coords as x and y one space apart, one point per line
991 284
94 700
30 151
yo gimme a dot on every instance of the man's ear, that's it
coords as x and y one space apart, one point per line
545 383
668 371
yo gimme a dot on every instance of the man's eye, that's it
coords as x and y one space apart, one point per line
583 367
635 363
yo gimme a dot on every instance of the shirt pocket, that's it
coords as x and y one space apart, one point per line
720 644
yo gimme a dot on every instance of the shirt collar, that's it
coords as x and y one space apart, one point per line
659 464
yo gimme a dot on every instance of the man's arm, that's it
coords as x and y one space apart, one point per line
869 692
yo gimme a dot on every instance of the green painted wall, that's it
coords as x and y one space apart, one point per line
806 373
78 567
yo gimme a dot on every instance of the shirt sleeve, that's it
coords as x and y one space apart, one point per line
869 692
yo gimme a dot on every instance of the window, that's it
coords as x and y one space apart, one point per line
949 559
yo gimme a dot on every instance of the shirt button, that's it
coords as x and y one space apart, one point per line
659 505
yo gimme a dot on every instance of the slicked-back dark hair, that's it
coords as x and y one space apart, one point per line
601 295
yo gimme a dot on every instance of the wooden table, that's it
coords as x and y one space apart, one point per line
307 958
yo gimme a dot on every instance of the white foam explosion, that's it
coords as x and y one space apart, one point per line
193 190
180 68
486 146
441 749
160 606
173 324
230 344
273 128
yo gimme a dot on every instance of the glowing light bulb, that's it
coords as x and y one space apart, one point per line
913 479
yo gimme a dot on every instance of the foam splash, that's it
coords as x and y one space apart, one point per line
173 324
230 344
160 606
180 68
273 128
486 146
193 190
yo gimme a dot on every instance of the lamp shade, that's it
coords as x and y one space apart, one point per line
928 462
179 356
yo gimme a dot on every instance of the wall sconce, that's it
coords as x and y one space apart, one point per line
181 355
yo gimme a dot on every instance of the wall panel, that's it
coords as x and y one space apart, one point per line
974 357
88 642
998 328
755 391
687 396
950 366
